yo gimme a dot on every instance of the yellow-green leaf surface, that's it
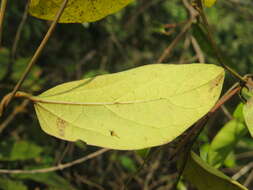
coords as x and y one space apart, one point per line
227 138
142 107
248 115
205 177
209 3
77 11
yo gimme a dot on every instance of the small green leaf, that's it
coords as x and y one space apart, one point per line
143 152
230 161
209 3
8 184
226 139
50 179
134 109
77 11
128 163
205 177
20 150
248 115
23 150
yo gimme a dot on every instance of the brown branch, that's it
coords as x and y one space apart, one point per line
15 43
17 110
187 26
34 59
57 167
210 37
197 49
2 13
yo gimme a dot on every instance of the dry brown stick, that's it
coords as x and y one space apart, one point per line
57 167
2 13
168 50
197 49
17 110
186 27
34 59
154 166
243 171
15 43
140 10
226 112
19 30
249 179
88 182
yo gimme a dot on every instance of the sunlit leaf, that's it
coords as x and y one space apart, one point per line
77 11
226 139
209 3
139 108
248 115
205 177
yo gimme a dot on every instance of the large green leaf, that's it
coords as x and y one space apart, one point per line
227 138
143 107
205 177
77 11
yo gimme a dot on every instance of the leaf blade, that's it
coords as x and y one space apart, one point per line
136 113
77 11
206 177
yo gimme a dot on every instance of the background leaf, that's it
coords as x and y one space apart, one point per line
203 176
19 150
77 10
226 139
51 179
209 3
8 184
248 115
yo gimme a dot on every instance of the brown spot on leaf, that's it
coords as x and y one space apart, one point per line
113 134
61 125
214 83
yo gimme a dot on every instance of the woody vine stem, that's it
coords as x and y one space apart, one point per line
7 99
202 14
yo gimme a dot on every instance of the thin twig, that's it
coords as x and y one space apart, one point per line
226 112
2 13
243 171
35 57
59 166
172 45
154 166
249 179
213 43
17 110
88 182
197 49
15 43
186 27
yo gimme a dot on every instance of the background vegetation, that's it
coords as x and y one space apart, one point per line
135 36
